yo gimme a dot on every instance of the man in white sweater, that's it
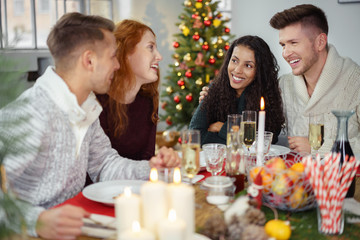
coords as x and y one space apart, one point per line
62 129
321 80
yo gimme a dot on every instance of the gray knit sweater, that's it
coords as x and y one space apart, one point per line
52 171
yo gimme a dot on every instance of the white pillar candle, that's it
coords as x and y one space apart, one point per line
153 201
136 233
127 210
261 130
182 200
172 228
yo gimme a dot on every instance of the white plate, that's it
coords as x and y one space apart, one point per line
277 150
104 192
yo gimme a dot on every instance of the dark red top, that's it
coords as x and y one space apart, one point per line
138 140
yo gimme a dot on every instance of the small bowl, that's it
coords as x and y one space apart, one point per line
167 138
220 189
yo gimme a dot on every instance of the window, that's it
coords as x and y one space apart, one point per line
25 24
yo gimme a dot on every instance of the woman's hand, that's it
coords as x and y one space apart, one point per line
165 158
203 93
299 144
215 127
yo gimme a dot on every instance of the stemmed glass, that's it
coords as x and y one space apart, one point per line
316 131
214 157
249 125
190 146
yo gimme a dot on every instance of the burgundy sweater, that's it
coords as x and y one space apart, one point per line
138 140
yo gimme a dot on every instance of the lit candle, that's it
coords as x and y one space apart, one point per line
172 228
127 210
261 129
153 201
182 200
136 233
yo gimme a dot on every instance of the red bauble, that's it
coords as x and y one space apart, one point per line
205 47
179 140
196 37
168 121
194 16
163 105
177 99
227 30
189 98
226 47
212 60
199 0
207 23
188 74
176 44
181 82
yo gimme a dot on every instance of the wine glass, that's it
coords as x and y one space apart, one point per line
249 126
190 146
233 126
214 157
316 131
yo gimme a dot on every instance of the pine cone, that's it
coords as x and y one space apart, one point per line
254 232
215 227
235 228
255 216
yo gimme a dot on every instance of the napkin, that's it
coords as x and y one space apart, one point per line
99 226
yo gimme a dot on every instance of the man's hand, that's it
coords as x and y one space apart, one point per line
299 144
203 93
64 222
165 158
215 127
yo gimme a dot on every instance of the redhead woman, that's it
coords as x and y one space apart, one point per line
249 71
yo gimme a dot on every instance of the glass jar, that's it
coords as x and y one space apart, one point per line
220 189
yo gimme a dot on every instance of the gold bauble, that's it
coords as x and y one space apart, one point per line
203 14
216 22
199 82
220 53
186 31
187 3
187 57
179 74
179 107
198 5
181 26
182 87
220 40
169 90
215 46
176 56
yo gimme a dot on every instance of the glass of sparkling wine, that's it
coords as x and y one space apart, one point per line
249 125
316 131
233 126
190 146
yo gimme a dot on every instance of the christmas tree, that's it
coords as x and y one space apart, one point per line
199 52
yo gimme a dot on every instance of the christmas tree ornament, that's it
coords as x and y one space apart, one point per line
177 99
179 74
168 120
169 90
187 3
199 0
181 82
215 46
227 46
187 57
203 14
196 36
220 53
181 26
207 22
207 78
195 15
197 23
179 107
186 31
227 30
199 82
182 87
183 66
163 105
176 63
198 5
176 56
176 45
220 40
189 97
199 59
219 15
205 46
216 22
212 60
188 74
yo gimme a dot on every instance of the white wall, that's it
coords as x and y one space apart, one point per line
253 16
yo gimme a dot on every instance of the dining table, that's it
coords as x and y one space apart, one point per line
304 224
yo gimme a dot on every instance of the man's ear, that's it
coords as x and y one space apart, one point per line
321 41
88 60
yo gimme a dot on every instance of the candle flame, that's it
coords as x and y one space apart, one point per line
262 104
177 175
153 175
127 191
136 226
172 215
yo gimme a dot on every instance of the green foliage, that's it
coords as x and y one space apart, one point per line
181 94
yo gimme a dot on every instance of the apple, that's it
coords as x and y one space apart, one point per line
282 184
275 165
298 197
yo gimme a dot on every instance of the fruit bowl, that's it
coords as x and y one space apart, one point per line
285 186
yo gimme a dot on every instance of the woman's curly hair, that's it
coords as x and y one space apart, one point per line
221 98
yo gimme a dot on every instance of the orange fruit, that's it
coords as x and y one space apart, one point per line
255 171
275 165
278 229
298 167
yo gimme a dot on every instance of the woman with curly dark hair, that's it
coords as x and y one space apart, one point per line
249 72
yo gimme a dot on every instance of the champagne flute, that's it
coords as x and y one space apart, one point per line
233 126
249 123
316 131
214 157
190 145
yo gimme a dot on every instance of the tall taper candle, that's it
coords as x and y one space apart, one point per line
261 130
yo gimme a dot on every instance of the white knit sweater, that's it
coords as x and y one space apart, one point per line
55 169
338 88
